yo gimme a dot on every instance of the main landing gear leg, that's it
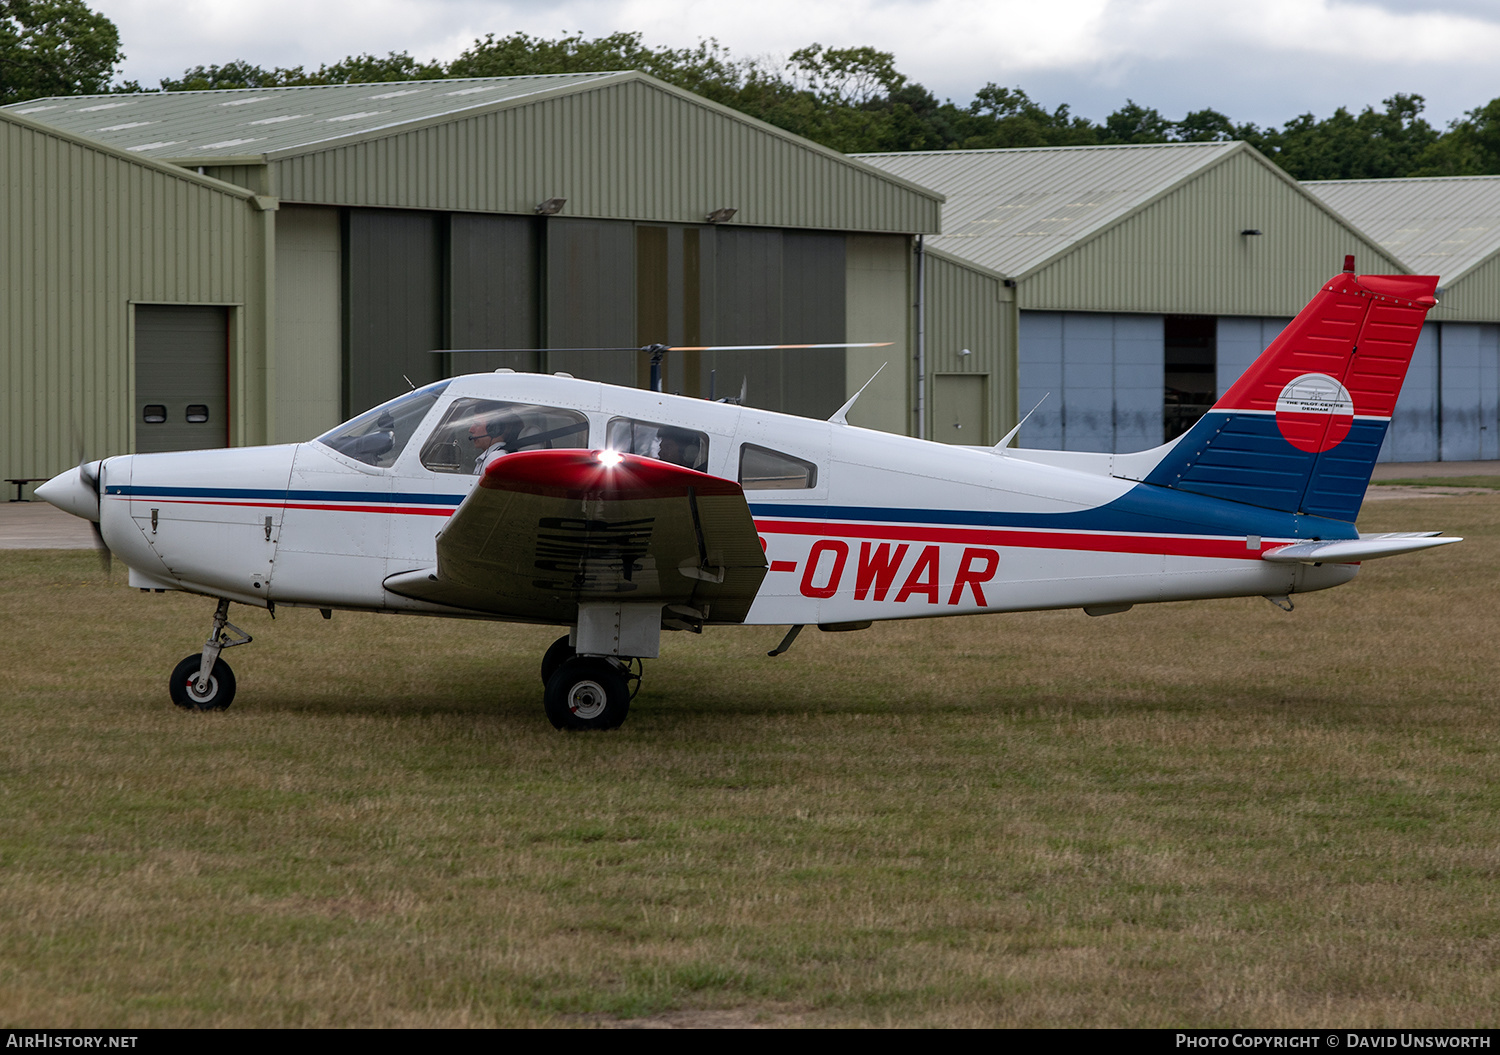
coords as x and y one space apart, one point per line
203 681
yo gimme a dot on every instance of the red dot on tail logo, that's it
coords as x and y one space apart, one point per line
1314 412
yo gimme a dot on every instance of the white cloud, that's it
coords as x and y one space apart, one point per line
1238 56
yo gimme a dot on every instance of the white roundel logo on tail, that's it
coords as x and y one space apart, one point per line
1314 412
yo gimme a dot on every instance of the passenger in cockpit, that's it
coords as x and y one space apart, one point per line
678 446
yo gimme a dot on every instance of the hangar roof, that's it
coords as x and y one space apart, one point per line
209 125
1011 210
1439 226
618 145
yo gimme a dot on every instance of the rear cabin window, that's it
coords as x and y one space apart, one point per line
762 469
475 431
666 443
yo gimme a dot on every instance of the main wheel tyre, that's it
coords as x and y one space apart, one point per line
558 653
587 693
218 695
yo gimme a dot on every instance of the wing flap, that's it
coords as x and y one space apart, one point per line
1354 550
547 530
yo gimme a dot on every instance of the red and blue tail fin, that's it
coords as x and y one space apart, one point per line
1301 429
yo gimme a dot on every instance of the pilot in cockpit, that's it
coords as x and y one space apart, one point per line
499 435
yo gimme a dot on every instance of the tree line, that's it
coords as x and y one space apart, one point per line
851 99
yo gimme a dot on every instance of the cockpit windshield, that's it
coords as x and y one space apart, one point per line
378 436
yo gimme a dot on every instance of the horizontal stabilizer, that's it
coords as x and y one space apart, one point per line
1354 550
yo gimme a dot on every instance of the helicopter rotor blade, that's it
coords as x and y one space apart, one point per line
772 347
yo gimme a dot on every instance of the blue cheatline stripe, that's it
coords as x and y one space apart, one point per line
248 493
1144 509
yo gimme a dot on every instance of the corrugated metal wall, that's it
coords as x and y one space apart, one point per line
878 299
86 232
1473 298
971 308
632 149
309 323
1184 253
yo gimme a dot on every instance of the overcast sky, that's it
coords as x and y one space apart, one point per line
1256 60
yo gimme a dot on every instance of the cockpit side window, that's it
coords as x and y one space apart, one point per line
473 432
667 443
762 469
377 437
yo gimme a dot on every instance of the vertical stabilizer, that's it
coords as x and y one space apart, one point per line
1301 429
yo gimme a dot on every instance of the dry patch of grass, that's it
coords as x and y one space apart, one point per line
1208 813
1490 482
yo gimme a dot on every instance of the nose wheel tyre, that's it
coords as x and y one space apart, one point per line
558 653
218 694
587 693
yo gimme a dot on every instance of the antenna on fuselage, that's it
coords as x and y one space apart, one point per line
838 416
999 448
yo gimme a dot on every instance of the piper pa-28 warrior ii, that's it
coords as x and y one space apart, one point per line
619 513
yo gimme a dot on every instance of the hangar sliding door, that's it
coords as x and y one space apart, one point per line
590 298
393 304
779 287
181 377
493 292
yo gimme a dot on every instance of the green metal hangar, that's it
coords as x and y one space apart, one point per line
354 228
1450 407
97 249
1146 278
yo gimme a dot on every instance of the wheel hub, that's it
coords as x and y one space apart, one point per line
587 700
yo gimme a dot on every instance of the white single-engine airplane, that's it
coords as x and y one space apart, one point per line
619 513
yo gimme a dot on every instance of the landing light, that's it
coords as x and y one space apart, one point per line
610 458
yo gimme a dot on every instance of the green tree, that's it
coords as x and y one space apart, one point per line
236 74
1206 126
1008 117
55 47
1470 147
1133 123
1376 144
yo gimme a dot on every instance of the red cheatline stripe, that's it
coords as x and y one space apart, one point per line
1169 545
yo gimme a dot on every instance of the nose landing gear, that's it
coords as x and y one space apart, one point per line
203 681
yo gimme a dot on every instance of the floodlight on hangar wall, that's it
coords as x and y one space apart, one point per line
721 215
551 207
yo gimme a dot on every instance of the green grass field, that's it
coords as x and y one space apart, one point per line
1193 814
